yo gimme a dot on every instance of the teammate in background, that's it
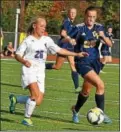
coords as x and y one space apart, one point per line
88 38
67 30
105 49
32 54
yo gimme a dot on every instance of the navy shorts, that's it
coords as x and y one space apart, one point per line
67 46
83 67
105 50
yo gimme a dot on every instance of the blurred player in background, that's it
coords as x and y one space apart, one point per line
1 42
67 30
105 49
32 54
88 39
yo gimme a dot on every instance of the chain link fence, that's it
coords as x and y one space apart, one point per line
10 36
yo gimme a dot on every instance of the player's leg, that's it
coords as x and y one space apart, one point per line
36 98
82 97
91 78
58 64
74 74
108 59
14 99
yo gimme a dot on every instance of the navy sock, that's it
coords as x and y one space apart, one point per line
81 100
100 101
102 66
49 66
75 78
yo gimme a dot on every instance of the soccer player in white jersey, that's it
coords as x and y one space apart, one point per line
32 54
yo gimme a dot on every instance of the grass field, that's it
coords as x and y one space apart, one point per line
54 114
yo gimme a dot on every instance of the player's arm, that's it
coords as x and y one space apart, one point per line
105 39
22 61
67 38
56 49
68 53
20 53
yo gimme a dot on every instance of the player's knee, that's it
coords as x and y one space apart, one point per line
100 87
39 100
85 93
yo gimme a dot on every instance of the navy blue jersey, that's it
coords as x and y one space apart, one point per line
105 48
71 30
88 41
110 35
69 26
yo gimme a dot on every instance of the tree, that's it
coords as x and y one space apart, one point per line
8 15
36 8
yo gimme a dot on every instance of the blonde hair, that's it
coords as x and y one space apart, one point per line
34 21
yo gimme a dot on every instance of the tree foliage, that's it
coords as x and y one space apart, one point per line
8 15
55 11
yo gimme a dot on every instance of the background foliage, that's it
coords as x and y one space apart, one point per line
55 11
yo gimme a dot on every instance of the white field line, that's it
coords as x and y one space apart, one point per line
61 100
52 78
11 70
55 113
46 86
109 84
50 62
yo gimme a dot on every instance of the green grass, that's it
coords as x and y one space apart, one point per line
54 113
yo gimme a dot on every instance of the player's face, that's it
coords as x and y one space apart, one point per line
39 27
10 45
72 14
110 30
90 18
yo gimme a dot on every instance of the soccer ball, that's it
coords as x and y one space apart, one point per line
95 116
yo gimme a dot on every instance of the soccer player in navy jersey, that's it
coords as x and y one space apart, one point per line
88 38
67 30
105 49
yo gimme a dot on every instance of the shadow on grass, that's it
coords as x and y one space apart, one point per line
13 85
38 116
50 89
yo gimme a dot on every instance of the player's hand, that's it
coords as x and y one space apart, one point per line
72 41
101 34
27 63
83 54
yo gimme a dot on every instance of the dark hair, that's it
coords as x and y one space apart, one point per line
90 8
109 26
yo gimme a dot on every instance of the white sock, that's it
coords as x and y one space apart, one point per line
22 99
29 108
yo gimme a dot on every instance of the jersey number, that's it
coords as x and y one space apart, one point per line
39 54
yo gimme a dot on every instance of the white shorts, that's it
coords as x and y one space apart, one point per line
34 74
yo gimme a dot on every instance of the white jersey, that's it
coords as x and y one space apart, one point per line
36 49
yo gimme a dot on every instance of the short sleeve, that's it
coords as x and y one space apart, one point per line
52 47
22 48
66 25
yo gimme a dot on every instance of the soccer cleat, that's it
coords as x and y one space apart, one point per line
107 120
75 118
77 90
13 102
27 122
